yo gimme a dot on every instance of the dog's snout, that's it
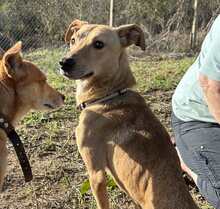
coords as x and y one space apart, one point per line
67 62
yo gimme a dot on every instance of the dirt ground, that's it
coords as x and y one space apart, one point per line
60 179
57 167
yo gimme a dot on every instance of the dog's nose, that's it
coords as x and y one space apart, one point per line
63 97
67 62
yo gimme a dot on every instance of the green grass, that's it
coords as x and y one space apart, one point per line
159 75
49 136
48 61
150 74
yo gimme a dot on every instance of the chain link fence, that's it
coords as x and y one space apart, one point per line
42 24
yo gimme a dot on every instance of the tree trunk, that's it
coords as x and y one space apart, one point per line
194 26
111 18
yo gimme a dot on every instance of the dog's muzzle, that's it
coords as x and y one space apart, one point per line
68 68
67 64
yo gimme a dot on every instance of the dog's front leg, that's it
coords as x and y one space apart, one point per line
92 147
98 185
94 161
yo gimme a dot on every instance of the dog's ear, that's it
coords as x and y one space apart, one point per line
131 34
12 59
73 27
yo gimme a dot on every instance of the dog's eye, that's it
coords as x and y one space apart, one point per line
98 44
72 41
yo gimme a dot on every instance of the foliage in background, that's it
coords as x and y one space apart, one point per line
166 23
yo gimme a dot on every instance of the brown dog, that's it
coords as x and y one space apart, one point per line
117 132
22 87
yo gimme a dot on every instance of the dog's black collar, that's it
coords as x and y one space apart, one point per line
83 105
18 146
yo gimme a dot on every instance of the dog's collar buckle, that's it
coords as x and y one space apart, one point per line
83 105
18 146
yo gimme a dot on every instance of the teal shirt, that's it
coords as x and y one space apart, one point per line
188 101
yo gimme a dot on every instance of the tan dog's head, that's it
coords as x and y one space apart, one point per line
97 50
31 88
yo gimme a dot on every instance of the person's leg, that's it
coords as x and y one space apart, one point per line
198 144
185 168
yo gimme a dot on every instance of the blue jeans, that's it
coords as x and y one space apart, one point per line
199 146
